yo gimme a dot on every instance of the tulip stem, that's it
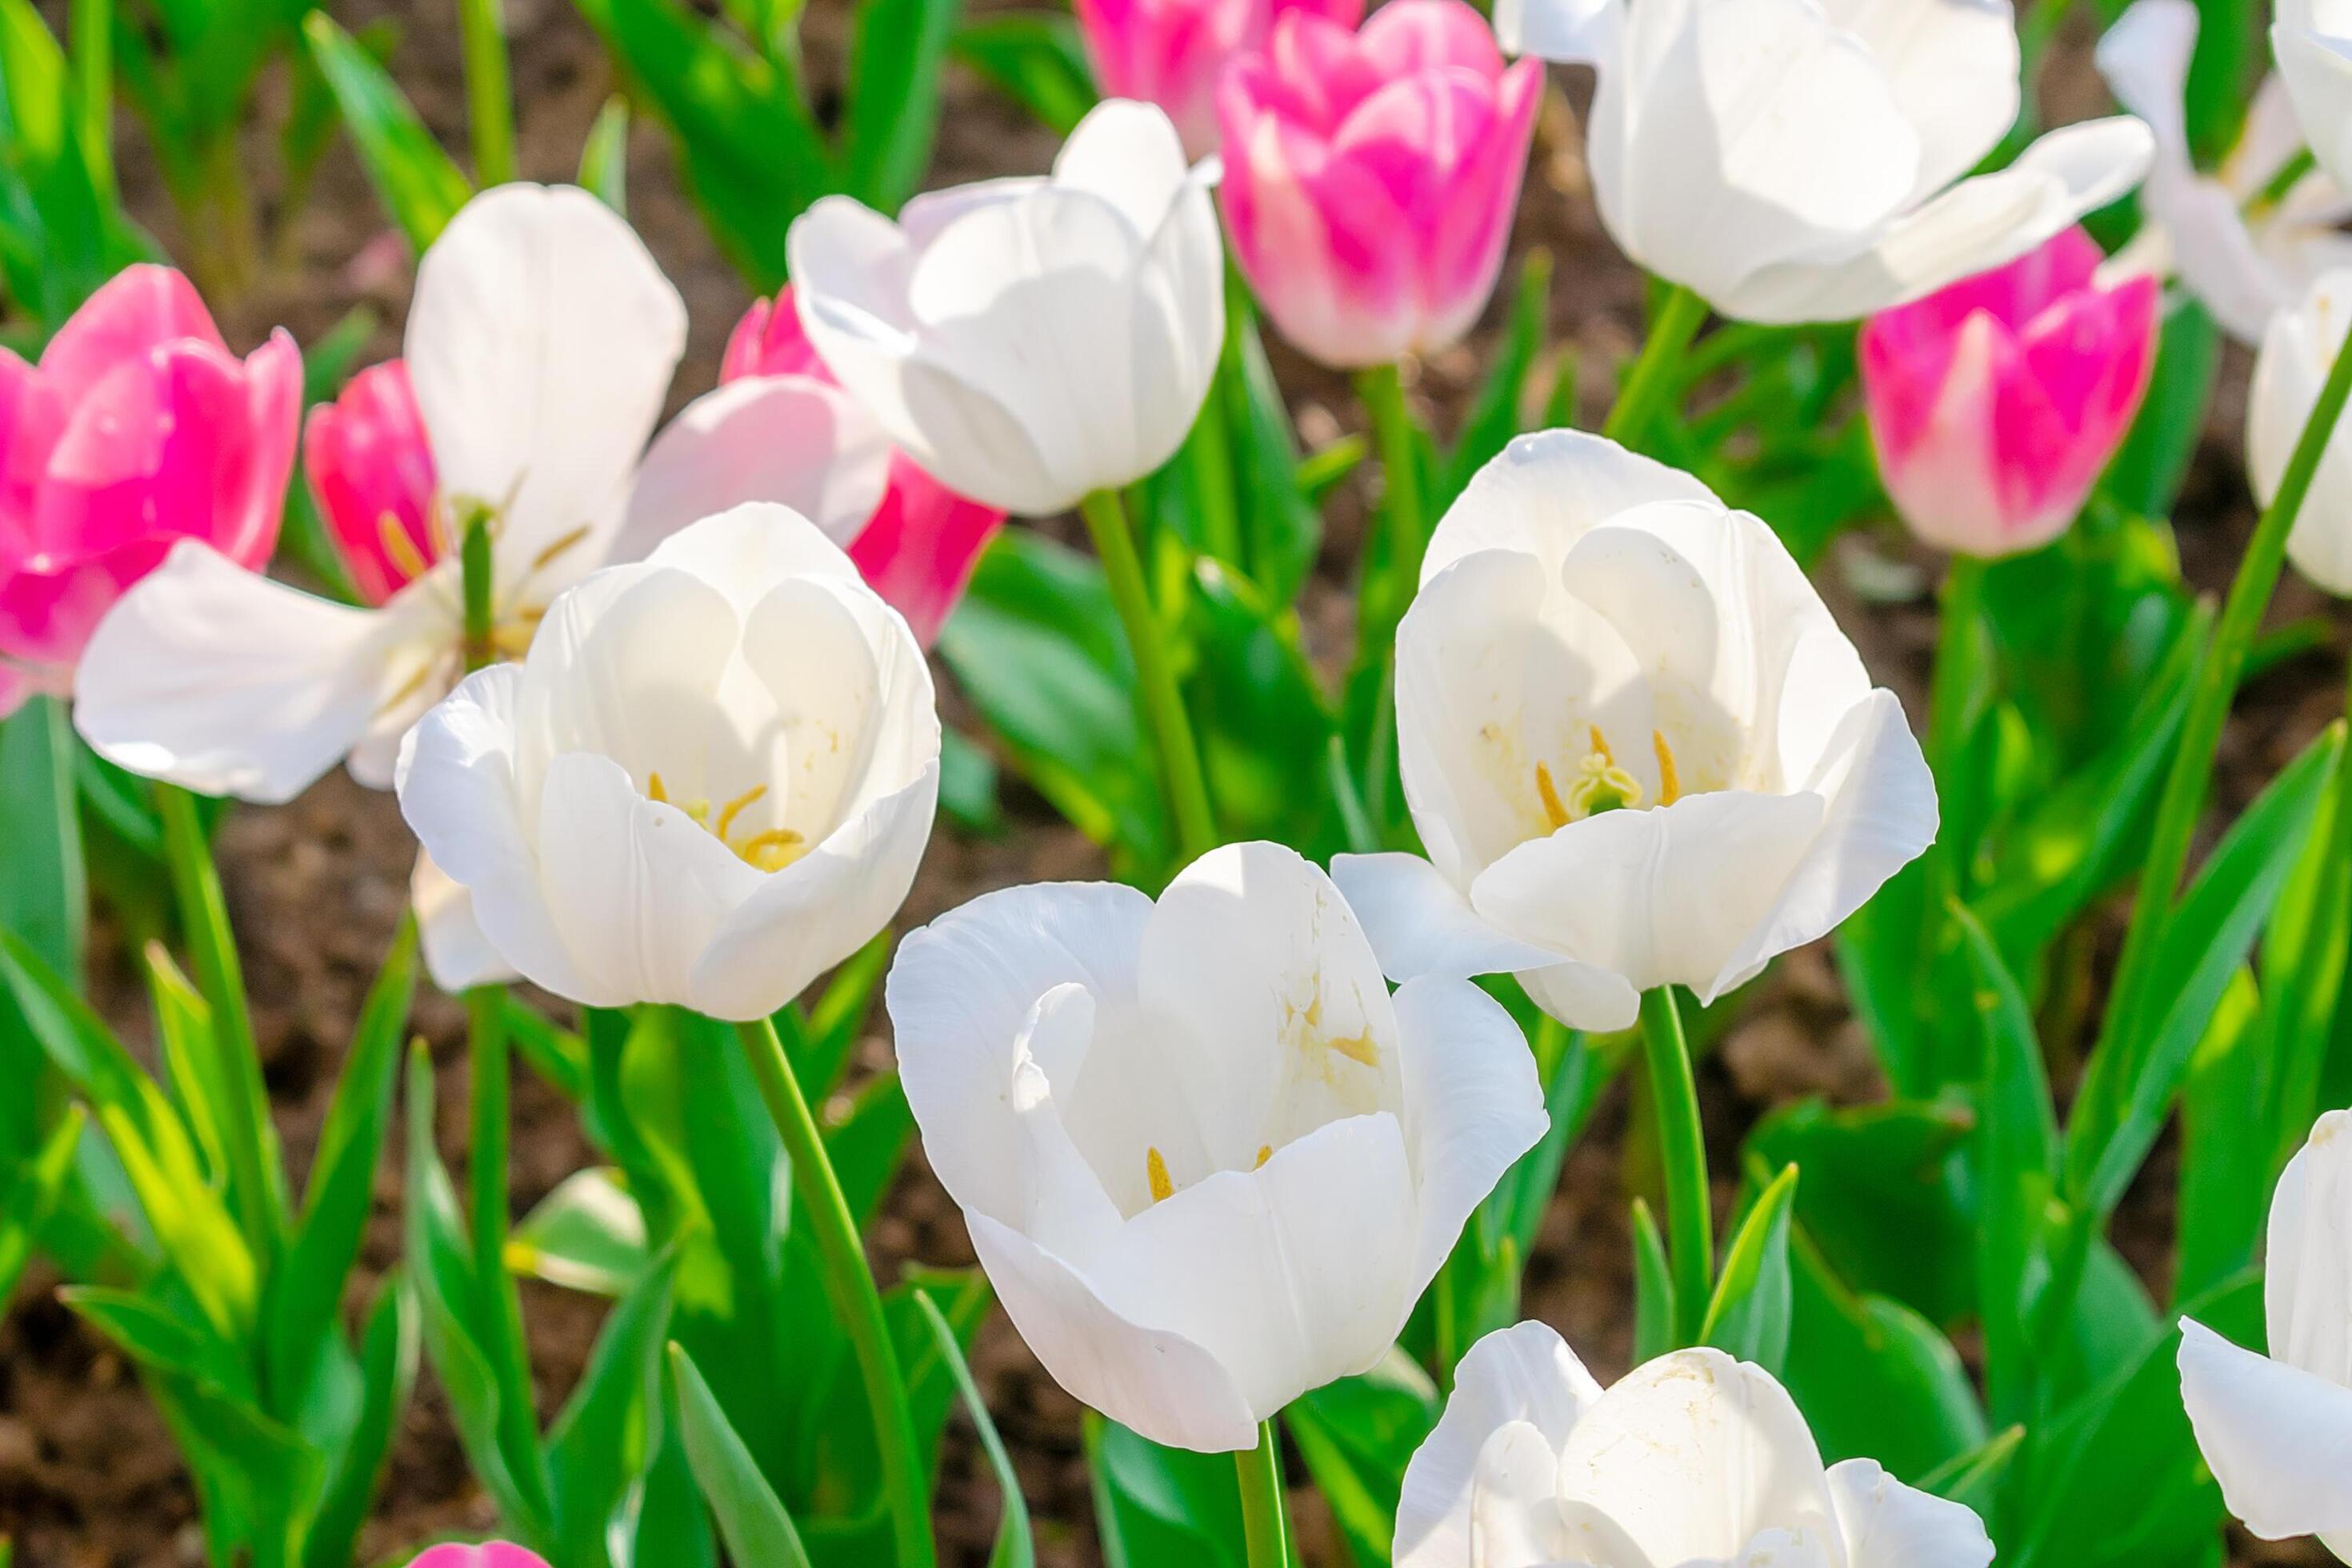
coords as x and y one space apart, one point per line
849 1281
479 587
1682 1149
1157 696
1679 316
489 1087
1959 608
1265 1528
489 101
1402 511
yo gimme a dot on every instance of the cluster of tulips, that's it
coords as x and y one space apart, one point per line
655 701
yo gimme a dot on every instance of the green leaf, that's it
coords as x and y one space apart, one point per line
1157 1508
1357 1436
2147 473
604 156
2225 1144
1035 60
603 1441
1749 1314
388 1357
1653 1288
1974 1479
1494 416
587 1235
755 1525
1015 1547
895 55
420 186
839 1017
555 1054
25 1204
44 895
1279 515
1259 714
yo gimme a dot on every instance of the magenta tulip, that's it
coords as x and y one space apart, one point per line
489 1554
371 470
1173 52
136 429
1996 401
920 547
1371 176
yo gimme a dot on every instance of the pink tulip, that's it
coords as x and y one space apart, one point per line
920 547
1172 52
371 470
1371 176
489 1554
137 429
1996 401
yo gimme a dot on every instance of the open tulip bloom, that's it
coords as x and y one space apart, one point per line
1808 159
1207 1160
1693 1460
2277 1430
1029 340
1637 748
2243 253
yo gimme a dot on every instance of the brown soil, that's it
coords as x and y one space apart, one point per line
87 1475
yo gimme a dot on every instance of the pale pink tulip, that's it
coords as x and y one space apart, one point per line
489 1554
371 469
1996 401
1172 52
918 549
138 428
1371 176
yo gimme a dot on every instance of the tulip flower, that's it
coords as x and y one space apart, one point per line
1208 1162
1997 400
1029 340
708 781
919 546
137 429
2276 1429
2298 347
1808 159
2244 251
1170 53
2312 40
1371 178
489 1554
1693 1460
1635 744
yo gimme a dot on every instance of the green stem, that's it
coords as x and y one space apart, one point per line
212 948
1682 1150
1264 1530
93 35
850 1283
1402 511
479 564
1960 609
1162 703
486 1156
489 102
1679 316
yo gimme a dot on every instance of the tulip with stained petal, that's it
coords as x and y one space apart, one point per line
1207 1160
1693 1460
1809 160
1637 748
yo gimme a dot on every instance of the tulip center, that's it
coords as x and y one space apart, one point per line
1598 783
771 849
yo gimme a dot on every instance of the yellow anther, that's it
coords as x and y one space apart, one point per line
1554 812
1155 1170
772 850
399 548
1264 1153
559 547
734 808
655 790
1600 744
1670 783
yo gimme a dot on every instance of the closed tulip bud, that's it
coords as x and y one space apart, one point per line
135 430
1171 53
2276 1430
1638 748
1029 340
1694 1458
1371 178
2298 347
708 781
1207 1160
1997 400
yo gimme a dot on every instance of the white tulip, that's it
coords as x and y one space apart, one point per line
710 779
2312 40
2298 348
2277 1430
1806 160
1695 1460
1207 1160
2243 258
1028 341
1636 746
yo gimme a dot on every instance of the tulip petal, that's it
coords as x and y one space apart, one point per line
2308 1292
1547 491
140 310
922 546
1128 155
1524 1375
2318 69
745 551
223 681
787 440
2298 346
2274 1436
1954 67
1472 1105
1419 923
2145 58
1152 1379
1573 32
1889 1525
458 952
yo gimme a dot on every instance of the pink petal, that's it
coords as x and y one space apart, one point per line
769 341
141 308
489 1554
920 550
371 470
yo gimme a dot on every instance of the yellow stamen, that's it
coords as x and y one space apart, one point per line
1264 1153
399 548
654 791
1554 812
1670 784
772 850
559 547
733 808
1155 1170
1600 744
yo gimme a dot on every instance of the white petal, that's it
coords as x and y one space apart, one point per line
1693 1455
2307 1292
1583 996
747 550
1156 1380
2145 58
457 954
1889 1525
2219 258
1472 1104
1577 32
788 439
2317 68
1419 923
221 681
2299 347
540 343
1544 491
1129 154
959 992
1954 68
2275 1436
1522 1374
